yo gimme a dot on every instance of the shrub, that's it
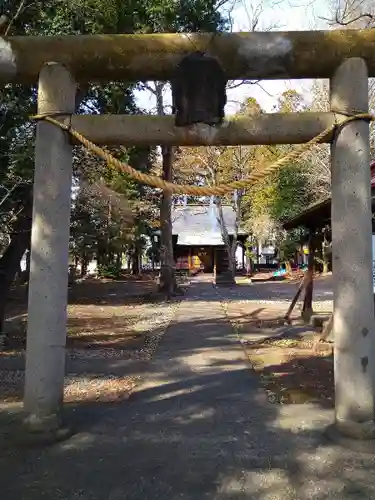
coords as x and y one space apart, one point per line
112 271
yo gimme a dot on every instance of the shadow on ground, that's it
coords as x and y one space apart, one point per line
127 291
199 427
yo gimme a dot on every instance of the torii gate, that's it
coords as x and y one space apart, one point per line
346 57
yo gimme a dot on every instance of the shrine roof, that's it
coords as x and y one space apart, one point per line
192 220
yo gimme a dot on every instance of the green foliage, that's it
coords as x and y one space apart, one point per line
152 16
249 251
290 101
287 246
291 195
110 211
16 154
249 107
109 271
281 195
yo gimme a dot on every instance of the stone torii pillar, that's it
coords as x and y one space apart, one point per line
47 310
353 320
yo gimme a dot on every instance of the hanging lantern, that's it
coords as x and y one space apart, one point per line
199 90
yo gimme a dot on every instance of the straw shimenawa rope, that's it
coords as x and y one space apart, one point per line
219 190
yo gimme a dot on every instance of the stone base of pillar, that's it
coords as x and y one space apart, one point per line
20 430
43 431
354 436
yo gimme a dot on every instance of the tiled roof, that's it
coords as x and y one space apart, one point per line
193 221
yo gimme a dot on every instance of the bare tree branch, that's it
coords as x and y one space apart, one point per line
21 8
351 13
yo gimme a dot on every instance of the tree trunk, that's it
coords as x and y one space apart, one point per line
28 264
167 283
112 258
167 278
135 260
231 250
84 266
307 309
249 267
326 249
230 246
10 261
140 260
72 275
152 259
100 254
325 263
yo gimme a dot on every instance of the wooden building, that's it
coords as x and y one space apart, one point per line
316 219
197 238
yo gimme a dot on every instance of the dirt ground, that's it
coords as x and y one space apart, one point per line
107 321
292 371
124 320
293 366
101 313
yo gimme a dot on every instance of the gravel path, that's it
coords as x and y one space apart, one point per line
197 427
101 374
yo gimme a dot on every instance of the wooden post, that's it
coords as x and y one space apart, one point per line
215 262
295 298
353 322
167 280
46 334
307 309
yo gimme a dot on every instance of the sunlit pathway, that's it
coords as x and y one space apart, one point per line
199 427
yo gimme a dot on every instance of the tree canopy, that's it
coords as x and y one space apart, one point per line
111 214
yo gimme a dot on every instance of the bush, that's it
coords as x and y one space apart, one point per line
112 271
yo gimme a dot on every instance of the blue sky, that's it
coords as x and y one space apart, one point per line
282 15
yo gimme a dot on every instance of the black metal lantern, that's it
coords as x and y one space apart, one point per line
199 90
